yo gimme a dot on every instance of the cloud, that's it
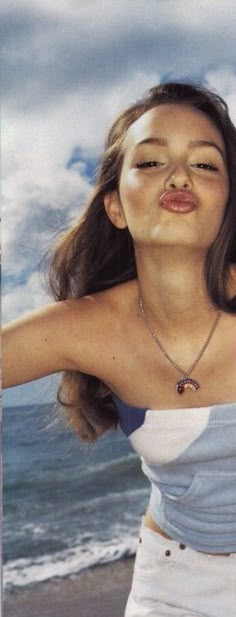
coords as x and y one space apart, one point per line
43 193
223 80
57 48
69 70
24 298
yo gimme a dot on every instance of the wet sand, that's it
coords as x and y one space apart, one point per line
99 592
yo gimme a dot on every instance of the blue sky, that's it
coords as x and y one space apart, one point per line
68 69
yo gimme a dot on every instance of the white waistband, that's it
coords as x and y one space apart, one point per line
158 545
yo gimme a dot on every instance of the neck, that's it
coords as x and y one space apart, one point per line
174 293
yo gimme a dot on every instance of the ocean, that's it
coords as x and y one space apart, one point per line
68 505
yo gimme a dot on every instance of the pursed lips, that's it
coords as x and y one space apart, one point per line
178 196
179 201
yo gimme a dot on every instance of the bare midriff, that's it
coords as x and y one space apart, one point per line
150 523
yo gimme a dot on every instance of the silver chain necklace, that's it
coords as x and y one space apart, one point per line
187 381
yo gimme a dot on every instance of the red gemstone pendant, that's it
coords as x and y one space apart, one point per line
183 384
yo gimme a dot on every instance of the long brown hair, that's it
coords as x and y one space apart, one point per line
94 255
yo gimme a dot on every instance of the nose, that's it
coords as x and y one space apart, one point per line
179 178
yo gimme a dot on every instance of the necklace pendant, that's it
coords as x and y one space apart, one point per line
185 383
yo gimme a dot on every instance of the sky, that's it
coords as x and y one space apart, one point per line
68 68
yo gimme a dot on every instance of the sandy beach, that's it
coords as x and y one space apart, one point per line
99 592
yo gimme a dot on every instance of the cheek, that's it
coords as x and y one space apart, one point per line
222 202
217 197
130 190
214 213
225 189
136 188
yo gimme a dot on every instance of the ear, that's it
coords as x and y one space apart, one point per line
114 210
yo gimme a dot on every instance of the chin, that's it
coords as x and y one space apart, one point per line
173 238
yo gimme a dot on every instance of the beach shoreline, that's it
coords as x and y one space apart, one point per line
101 591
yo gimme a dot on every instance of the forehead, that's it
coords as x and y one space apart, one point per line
170 121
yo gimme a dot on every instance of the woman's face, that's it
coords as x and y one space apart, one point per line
166 149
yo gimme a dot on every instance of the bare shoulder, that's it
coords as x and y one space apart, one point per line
97 323
73 334
114 300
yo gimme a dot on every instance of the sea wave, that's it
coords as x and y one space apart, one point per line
68 506
122 463
30 571
46 478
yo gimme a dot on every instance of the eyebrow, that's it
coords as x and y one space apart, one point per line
207 143
196 143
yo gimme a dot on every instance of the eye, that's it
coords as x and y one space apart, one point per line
206 166
149 164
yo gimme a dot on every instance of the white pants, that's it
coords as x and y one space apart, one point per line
170 581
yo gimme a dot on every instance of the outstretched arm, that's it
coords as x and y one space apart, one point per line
38 344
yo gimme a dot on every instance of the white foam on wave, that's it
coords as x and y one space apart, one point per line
29 529
117 496
108 465
24 572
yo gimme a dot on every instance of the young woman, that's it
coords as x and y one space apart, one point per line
144 331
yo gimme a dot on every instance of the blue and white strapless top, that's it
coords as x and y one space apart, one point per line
189 456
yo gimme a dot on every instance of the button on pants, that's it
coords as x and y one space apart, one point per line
171 580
